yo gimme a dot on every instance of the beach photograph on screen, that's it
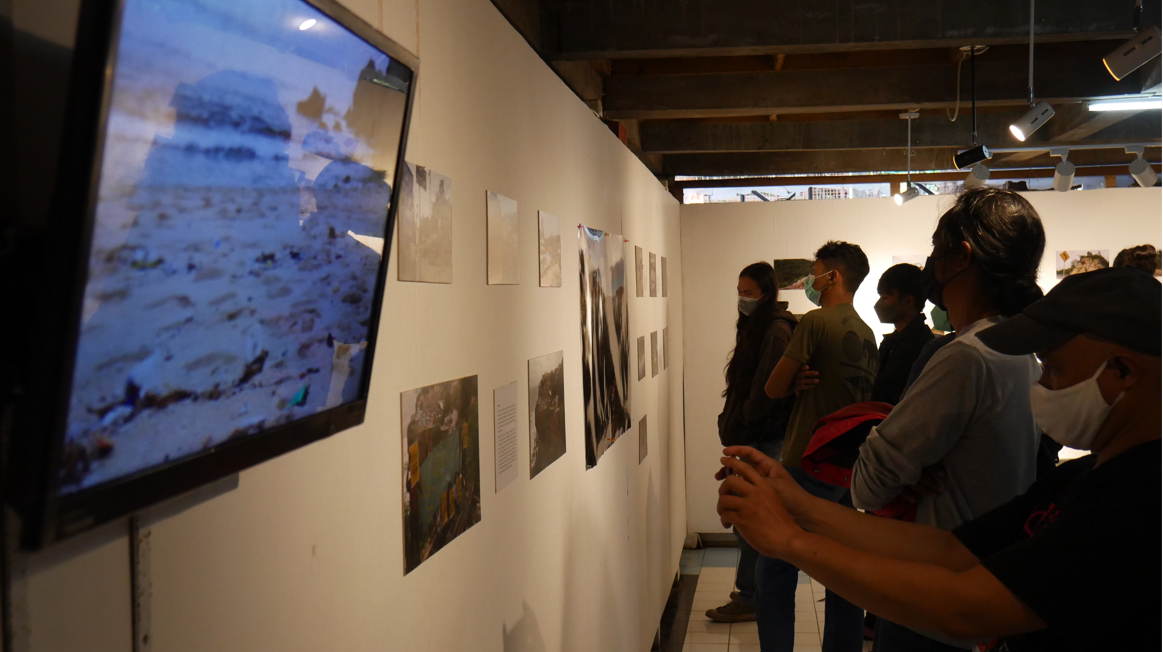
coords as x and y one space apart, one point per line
792 272
546 411
503 245
641 357
605 330
239 216
1068 263
638 272
442 468
425 226
549 249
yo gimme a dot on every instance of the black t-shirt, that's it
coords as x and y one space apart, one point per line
898 352
1081 548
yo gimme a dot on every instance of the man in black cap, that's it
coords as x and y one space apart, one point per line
1072 564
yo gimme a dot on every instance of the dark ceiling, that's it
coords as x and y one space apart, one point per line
777 87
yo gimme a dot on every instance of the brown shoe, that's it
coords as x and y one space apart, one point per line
732 612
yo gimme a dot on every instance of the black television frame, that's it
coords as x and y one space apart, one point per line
43 384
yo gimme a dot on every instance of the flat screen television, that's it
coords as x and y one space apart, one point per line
213 279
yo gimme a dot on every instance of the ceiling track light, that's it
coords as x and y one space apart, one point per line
910 190
908 195
1140 169
1140 49
1040 112
1064 171
977 153
977 176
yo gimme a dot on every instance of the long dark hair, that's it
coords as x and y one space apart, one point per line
1007 238
751 329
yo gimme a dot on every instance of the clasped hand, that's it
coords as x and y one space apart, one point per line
760 499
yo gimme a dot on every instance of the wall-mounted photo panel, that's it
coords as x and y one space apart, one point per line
653 276
549 249
605 322
642 442
665 348
792 272
425 232
654 354
1068 263
442 470
641 357
503 241
546 411
664 276
638 287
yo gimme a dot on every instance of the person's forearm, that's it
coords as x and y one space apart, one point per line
886 537
920 596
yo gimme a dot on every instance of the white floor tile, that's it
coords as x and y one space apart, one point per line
806 648
704 647
737 628
700 623
807 638
745 647
707 637
740 638
807 626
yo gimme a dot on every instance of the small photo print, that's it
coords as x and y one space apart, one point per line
642 441
1068 263
549 249
792 272
641 357
654 354
665 348
546 411
638 271
653 276
664 276
503 241
425 226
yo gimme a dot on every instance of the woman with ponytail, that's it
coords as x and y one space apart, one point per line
749 417
963 439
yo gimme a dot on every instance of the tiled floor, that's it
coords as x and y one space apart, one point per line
716 570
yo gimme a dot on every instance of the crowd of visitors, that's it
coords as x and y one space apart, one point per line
1002 547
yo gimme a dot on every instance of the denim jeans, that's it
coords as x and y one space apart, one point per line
776 582
748 557
891 637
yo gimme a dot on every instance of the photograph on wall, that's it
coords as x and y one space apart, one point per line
546 411
605 330
664 276
425 233
654 354
1068 263
641 357
665 348
549 249
642 444
503 245
441 438
792 272
912 259
653 275
638 271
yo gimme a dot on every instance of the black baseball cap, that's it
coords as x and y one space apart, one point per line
1120 305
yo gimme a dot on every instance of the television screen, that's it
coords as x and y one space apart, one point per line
243 174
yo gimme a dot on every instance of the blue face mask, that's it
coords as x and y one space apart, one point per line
941 320
810 289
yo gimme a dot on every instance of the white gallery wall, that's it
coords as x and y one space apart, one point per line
721 239
306 553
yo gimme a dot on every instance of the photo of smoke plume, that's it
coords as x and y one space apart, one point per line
424 246
442 468
605 327
239 220
546 411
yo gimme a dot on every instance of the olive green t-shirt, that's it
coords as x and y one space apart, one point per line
837 343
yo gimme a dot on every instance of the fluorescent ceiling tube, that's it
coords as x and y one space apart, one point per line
1136 104
1144 174
908 195
1034 118
1063 176
1130 56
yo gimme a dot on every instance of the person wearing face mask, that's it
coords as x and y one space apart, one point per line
962 440
762 331
1044 570
900 304
834 342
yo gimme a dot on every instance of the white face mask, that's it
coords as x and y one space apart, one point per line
747 305
1072 416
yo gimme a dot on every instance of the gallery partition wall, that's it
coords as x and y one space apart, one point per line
721 239
518 481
